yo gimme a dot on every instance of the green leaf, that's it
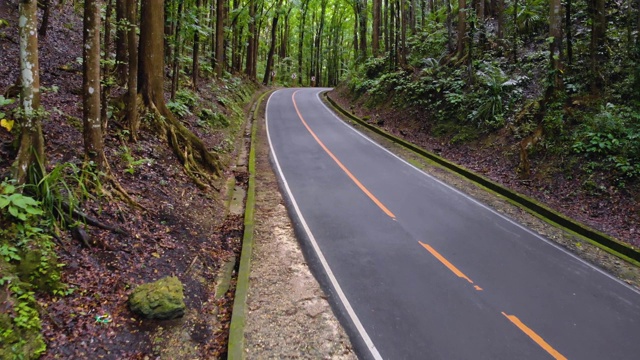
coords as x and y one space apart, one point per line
4 201
9 189
34 211
13 211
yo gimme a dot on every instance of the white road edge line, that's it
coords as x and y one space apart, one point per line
345 302
547 241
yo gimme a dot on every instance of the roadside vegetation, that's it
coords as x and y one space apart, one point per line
552 99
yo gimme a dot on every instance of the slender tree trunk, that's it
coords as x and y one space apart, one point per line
132 76
375 30
249 69
45 18
220 16
449 25
567 25
555 33
195 70
515 31
31 149
93 140
362 36
272 47
121 41
404 20
500 20
462 27
175 73
106 67
301 32
597 46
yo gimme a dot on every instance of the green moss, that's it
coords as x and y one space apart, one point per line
162 299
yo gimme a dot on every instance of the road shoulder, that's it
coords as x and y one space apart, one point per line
288 313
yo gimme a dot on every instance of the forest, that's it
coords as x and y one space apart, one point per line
118 116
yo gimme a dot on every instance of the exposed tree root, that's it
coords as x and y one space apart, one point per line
201 165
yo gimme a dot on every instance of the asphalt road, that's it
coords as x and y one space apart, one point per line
418 270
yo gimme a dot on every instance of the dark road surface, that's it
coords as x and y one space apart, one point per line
418 270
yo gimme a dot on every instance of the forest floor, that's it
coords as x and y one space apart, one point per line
163 236
588 199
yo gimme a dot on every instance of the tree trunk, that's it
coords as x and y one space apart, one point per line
220 16
272 47
568 32
175 73
93 140
31 149
45 18
597 46
121 41
305 6
375 30
249 69
362 18
132 76
500 20
403 31
196 45
462 27
515 30
449 26
191 151
106 67
555 33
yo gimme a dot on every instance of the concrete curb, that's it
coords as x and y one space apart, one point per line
235 348
603 241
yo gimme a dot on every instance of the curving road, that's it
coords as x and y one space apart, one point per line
418 270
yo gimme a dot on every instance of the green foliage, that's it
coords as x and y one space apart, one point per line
185 101
131 163
496 91
611 139
213 118
28 263
61 190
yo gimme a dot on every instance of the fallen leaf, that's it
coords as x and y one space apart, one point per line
7 124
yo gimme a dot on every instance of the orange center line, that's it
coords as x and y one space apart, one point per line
447 263
535 337
344 168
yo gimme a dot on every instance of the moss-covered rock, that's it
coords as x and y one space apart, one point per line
162 299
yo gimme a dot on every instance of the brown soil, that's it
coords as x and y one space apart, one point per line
178 228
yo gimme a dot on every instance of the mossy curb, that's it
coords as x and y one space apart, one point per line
235 348
603 241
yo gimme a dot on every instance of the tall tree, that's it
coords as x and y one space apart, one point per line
31 148
462 28
132 76
555 33
250 68
301 32
121 41
597 45
220 18
272 46
361 8
196 45
191 151
92 129
375 29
